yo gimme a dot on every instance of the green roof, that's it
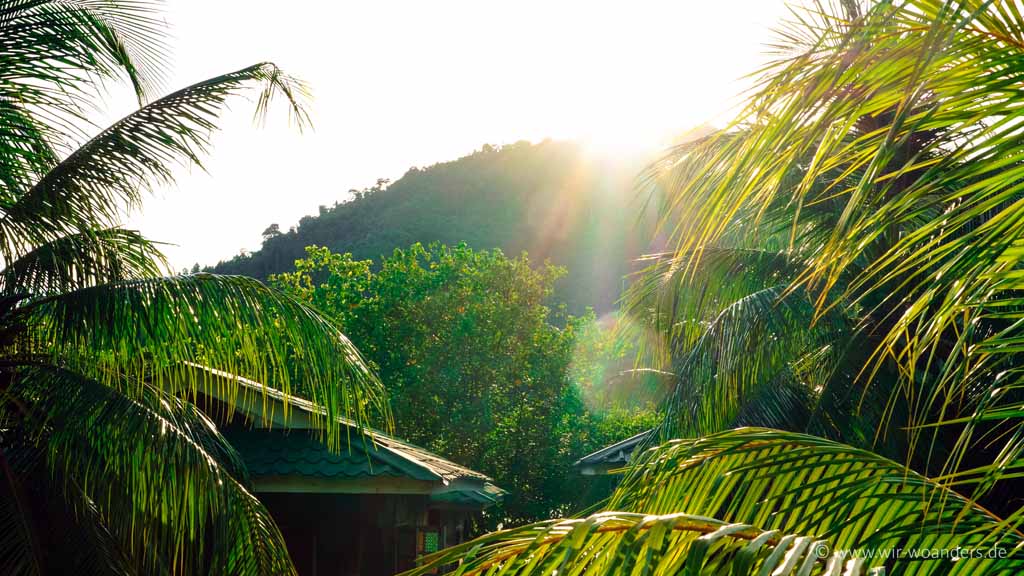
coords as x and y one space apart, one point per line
297 452
289 447
612 457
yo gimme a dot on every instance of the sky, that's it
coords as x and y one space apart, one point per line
400 84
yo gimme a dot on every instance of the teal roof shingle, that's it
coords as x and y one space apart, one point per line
298 453
290 448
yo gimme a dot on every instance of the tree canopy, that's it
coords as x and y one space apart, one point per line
477 366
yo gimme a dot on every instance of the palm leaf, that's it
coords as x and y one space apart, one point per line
21 552
797 483
101 446
44 531
152 328
754 343
678 295
742 349
819 507
887 142
641 544
97 182
53 54
25 151
55 41
83 260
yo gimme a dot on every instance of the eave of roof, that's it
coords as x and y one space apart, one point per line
486 495
618 453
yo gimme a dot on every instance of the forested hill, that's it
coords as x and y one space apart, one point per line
550 199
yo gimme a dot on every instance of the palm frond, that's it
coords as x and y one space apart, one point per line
144 467
797 483
82 260
614 543
72 535
61 42
27 151
79 532
888 144
53 55
737 341
753 344
150 329
678 295
46 532
21 551
93 186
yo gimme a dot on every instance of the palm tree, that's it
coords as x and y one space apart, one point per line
106 465
844 265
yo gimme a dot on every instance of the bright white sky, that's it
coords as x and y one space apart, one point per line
398 84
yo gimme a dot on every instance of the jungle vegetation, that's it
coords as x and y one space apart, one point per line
551 199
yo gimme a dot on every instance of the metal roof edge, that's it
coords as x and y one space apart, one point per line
631 442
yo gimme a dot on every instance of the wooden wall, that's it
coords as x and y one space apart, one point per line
361 534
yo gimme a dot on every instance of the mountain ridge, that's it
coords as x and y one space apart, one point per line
552 199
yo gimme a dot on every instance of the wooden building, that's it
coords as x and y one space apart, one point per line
370 509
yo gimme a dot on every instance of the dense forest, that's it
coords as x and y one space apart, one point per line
553 200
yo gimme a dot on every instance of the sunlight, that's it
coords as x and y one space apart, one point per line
625 140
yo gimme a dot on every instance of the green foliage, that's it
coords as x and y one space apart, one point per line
108 173
795 482
477 367
630 543
159 452
549 199
105 466
873 187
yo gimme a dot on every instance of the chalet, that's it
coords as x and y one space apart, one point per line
370 509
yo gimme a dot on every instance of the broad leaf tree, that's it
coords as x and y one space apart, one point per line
477 366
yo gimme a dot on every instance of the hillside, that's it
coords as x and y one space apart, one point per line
550 199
